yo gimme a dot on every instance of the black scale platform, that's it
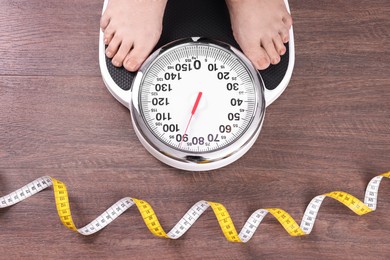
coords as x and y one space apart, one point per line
206 18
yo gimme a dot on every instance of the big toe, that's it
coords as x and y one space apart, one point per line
258 56
122 52
138 54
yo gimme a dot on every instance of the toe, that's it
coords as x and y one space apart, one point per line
120 56
284 31
269 47
287 20
113 47
132 63
134 59
138 55
263 60
258 56
280 48
104 21
108 35
284 34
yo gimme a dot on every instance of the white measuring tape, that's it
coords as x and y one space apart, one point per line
189 218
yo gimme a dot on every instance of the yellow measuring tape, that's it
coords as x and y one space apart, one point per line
189 218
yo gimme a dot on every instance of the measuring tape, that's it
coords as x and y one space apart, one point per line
189 218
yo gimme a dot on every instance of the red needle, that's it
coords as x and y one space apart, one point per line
192 114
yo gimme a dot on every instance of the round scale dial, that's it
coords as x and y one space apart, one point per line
197 101
197 98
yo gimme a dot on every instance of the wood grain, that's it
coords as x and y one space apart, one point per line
329 131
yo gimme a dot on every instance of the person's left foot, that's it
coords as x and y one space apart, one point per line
260 27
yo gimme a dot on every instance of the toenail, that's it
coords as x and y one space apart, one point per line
116 63
132 64
105 41
263 64
108 53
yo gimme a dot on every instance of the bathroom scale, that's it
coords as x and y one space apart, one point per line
197 103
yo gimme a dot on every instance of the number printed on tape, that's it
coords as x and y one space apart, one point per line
189 218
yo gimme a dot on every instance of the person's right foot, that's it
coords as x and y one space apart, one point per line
131 30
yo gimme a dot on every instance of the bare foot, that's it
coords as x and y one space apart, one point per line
131 30
261 28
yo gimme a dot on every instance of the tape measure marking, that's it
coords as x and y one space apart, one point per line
62 204
225 222
190 217
150 218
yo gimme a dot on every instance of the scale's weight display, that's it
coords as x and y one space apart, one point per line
198 98
197 104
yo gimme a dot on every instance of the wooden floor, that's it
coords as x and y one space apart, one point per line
329 131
